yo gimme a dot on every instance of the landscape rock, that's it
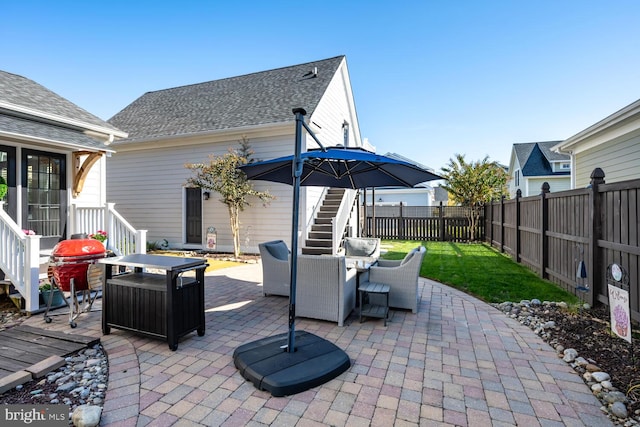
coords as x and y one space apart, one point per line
86 416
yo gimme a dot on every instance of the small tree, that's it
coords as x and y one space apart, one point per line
223 176
473 184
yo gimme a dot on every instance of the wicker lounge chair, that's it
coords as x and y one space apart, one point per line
276 273
362 248
402 278
325 289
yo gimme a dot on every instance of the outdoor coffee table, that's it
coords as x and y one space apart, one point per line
166 306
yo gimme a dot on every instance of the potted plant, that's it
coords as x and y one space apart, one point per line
100 236
3 187
57 298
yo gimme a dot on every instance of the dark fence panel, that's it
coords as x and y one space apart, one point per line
530 232
429 223
554 234
618 205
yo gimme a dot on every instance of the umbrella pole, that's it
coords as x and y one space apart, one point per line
297 172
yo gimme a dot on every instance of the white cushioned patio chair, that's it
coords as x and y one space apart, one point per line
402 278
276 273
325 289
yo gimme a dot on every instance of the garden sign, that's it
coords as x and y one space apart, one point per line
619 302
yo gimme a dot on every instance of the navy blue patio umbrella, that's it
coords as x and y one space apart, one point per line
284 368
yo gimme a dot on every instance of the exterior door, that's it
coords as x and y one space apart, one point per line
193 216
44 188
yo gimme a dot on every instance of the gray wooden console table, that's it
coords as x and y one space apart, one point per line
165 306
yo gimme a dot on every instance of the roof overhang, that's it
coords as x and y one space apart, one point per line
206 137
52 142
105 130
619 123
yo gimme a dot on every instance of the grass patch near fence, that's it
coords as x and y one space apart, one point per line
479 270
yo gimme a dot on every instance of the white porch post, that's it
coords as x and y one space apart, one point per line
32 273
141 240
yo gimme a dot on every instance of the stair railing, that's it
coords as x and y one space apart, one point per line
340 221
19 259
122 237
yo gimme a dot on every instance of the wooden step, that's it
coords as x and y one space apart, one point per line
320 235
316 251
315 243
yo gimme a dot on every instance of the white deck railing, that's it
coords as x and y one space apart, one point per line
20 260
20 253
122 238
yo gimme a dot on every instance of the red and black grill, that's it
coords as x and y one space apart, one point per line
69 272
70 259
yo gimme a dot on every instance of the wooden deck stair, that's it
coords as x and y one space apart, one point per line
320 239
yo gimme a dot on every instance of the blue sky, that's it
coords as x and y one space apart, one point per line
430 78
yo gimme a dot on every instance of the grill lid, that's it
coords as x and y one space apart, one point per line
78 247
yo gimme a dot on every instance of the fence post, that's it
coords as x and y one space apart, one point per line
441 222
597 178
365 228
502 224
517 248
491 223
544 241
373 232
401 224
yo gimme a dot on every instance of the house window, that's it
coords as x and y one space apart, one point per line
565 166
517 178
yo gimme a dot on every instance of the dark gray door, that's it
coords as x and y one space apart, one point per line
194 216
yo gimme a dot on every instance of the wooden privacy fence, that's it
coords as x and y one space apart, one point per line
436 223
556 233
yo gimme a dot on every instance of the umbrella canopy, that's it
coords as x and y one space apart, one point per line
341 167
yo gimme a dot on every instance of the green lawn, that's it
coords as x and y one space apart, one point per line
479 270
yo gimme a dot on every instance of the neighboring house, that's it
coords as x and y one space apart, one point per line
612 144
52 154
421 195
171 127
534 163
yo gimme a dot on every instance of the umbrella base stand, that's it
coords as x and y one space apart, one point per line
270 367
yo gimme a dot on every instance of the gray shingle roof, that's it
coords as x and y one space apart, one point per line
22 92
535 158
265 97
49 132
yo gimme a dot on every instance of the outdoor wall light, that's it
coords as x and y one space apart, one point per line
206 195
